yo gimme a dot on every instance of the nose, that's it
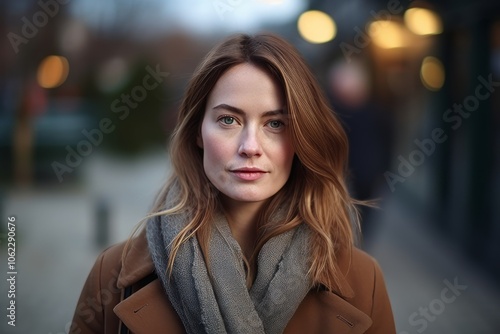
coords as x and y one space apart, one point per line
250 143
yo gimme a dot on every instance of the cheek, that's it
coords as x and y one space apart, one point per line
215 159
212 151
214 148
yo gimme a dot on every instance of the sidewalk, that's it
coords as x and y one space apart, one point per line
418 265
56 236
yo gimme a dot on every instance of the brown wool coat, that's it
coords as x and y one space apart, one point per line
101 309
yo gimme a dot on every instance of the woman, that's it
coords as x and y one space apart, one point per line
253 232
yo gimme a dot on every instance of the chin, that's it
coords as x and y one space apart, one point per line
249 197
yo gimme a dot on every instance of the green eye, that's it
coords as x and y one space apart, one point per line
275 124
227 120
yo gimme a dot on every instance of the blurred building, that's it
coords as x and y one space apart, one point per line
433 72
62 75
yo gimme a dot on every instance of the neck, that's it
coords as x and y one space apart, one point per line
242 220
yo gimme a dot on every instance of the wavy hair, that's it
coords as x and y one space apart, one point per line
316 191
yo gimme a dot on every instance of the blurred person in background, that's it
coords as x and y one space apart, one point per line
254 232
370 134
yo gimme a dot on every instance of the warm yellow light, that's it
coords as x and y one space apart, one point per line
423 21
387 34
317 27
432 73
52 71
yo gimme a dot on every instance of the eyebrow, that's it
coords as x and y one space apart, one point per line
241 112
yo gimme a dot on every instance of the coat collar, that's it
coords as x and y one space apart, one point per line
148 311
137 263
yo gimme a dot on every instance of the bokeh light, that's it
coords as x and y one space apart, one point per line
52 71
317 27
432 73
423 21
387 34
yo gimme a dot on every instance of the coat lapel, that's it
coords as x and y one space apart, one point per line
346 318
325 312
149 311
146 310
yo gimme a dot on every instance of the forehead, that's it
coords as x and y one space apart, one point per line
247 86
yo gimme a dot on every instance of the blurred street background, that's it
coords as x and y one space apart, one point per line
89 91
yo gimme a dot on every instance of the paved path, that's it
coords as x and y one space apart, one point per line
56 236
432 288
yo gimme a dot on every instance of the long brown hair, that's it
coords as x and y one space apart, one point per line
315 193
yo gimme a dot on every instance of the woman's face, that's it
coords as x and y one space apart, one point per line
247 150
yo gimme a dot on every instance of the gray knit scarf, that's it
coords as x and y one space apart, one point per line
221 302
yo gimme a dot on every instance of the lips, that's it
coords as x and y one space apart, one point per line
248 173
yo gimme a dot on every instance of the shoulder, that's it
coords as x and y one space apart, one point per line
369 293
107 267
102 278
126 263
105 283
363 307
361 275
109 263
99 294
361 269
